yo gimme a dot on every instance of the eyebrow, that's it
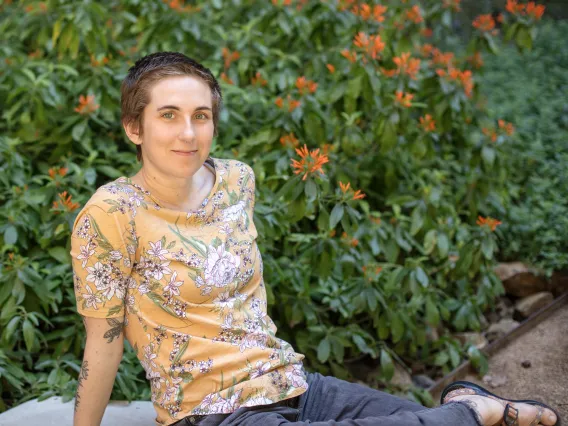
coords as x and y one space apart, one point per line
203 107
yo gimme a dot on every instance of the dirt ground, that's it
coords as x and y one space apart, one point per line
546 380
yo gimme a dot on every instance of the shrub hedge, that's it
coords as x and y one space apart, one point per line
374 175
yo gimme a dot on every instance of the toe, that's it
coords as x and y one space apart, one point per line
548 418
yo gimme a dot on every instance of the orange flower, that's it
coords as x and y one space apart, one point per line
476 60
279 102
514 8
332 233
379 12
65 202
427 49
491 133
454 4
310 163
427 32
364 11
304 85
292 104
484 22
403 99
86 105
535 10
258 80
492 223
441 58
508 127
358 195
406 65
289 140
326 147
389 73
414 14
230 56
344 187
331 68
428 123
226 79
97 63
62 171
351 56
373 45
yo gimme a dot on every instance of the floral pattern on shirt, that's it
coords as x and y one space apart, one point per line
190 287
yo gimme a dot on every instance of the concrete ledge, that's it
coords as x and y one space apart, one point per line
52 412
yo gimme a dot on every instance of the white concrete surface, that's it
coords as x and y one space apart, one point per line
52 412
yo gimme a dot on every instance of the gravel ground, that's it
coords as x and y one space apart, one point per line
546 380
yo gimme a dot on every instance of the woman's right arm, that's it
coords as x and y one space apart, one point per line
102 356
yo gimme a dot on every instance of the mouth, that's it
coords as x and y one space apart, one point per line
186 152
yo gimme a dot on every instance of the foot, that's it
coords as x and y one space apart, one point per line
490 411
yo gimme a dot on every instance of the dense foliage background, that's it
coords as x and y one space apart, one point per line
379 255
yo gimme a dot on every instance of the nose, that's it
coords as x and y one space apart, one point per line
187 132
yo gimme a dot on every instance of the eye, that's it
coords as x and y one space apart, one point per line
168 115
205 116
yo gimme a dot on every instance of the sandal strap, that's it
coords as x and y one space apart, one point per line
511 415
538 417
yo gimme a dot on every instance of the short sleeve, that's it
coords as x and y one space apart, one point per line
103 244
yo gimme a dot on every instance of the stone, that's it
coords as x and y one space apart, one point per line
53 412
530 304
559 282
495 380
520 280
401 377
476 339
423 381
499 329
526 364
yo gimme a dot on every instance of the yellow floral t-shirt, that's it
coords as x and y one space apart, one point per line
189 286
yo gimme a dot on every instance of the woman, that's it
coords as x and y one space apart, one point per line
170 257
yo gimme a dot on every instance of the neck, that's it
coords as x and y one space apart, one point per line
172 192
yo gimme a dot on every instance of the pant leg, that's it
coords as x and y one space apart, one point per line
333 402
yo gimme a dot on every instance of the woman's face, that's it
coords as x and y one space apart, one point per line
178 126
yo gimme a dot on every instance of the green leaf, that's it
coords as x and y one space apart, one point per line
388 138
432 314
430 241
523 38
324 349
387 366
421 277
60 254
488 155
397 327
443 244
10 235
29 334
79 130
336 215
311 190
487 246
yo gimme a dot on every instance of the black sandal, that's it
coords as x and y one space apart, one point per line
510 415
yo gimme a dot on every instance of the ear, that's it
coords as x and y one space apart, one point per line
132 132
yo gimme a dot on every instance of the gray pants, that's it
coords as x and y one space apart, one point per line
333 402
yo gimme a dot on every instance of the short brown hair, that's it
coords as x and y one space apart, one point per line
135 89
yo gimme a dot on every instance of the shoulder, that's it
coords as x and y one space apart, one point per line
236 172
110 202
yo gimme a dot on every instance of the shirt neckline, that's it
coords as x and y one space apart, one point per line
201 212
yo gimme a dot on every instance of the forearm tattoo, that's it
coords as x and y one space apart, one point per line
115 329
82 376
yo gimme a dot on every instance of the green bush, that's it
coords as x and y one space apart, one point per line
388 272
535 98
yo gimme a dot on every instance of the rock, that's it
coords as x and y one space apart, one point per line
519 280
526 364
401 377
476 339
530 304
559 283
423 381
495 380
500 328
